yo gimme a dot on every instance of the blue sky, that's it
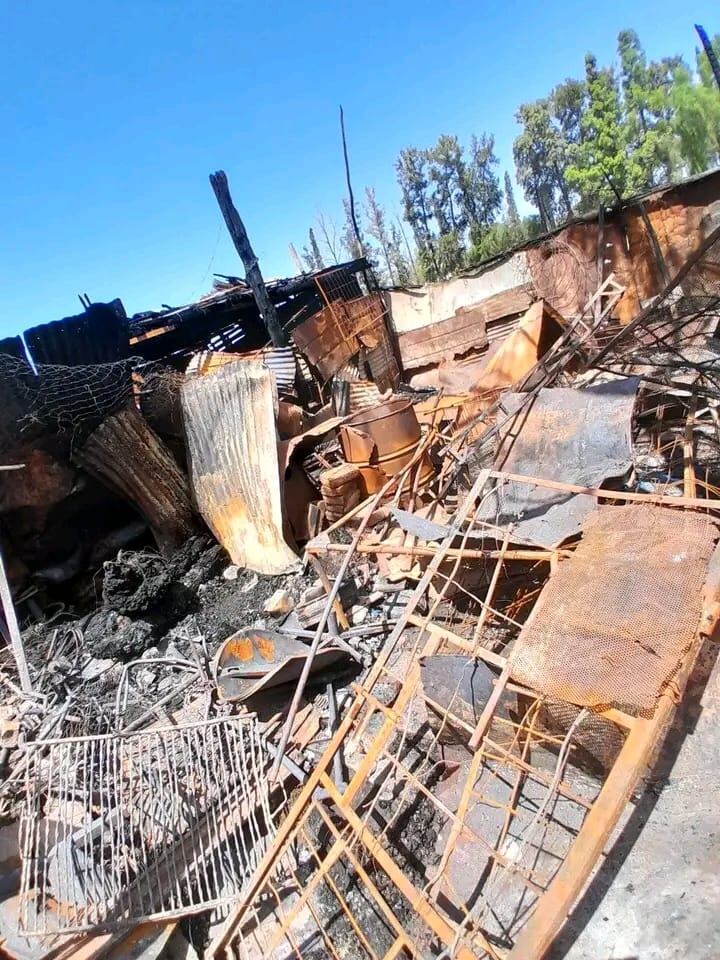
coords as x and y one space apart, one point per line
114 114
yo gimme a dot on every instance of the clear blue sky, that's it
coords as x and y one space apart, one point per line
114 114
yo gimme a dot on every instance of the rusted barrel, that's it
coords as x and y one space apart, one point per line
383 440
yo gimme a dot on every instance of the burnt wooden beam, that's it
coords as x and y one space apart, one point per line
253 275
125 455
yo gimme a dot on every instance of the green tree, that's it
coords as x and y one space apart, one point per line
695 120
600 166
513 217
480 192
544 150
402 263
355 248
376 228
412 176
650 141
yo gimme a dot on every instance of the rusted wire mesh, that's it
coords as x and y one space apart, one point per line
615 619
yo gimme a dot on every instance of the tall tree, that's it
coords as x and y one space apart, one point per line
412 175
329 235
600 166
311 253
533 151
695 121
480 193
512 211
355 249
648 134
402 263
376 228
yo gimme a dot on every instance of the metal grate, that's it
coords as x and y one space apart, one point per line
128 827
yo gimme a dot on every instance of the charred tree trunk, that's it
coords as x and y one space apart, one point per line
253 276
125 454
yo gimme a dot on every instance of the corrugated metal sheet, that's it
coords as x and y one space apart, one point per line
99 335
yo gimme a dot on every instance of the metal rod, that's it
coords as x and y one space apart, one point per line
14 630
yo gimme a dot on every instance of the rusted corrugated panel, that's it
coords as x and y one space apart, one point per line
614 620
444 340
471 327
230 429
338 331
280 360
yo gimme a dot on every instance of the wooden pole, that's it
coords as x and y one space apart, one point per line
14 630
351 196
254 277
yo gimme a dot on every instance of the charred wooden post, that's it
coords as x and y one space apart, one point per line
253 275
125 454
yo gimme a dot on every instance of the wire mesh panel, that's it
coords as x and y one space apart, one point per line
614 621
126 827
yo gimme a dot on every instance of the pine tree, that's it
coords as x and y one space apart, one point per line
375 218
512 212
600 168
311 254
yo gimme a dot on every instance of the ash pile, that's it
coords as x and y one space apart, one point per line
351 644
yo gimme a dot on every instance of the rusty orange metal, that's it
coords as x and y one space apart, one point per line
380 442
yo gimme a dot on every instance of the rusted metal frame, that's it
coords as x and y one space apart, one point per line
334 854
332 596
495 612
285 833
408 690
396 949
511 810
333 886
371 887
691 261
431 644
494 751
318 922
650 498
624 720
489 708
519 780
538 933
420 904
469 553
412 777
491 589
285 932
690 488
289 824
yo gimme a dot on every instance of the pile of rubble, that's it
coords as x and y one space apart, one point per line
379 667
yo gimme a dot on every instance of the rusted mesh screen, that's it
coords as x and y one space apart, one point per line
614 620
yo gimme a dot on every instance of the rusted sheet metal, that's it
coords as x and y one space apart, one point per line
444 340
232 451
254 660
519 352
337 332
280 360
578 436
614 621
381 441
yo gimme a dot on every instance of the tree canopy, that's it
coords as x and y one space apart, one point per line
619 130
